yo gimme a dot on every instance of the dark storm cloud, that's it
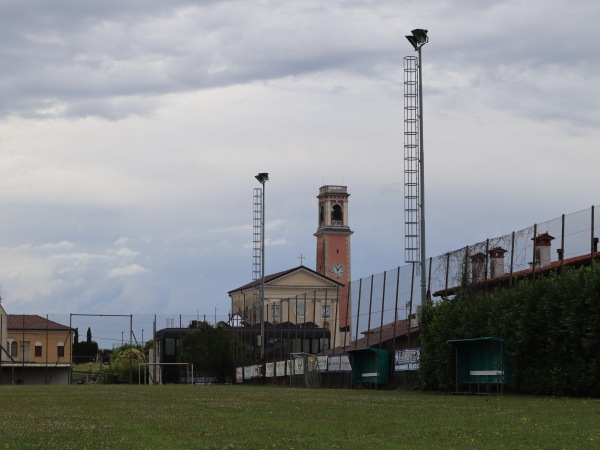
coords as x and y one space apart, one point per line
533 59
115 59
110 59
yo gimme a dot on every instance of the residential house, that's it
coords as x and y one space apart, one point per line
38 351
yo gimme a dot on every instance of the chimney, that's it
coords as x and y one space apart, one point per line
497 262
543 244
478 267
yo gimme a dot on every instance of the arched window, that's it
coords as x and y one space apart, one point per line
60 350
321 215
337 215
14 349
38 349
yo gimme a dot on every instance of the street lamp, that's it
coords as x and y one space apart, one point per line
262 179
418 39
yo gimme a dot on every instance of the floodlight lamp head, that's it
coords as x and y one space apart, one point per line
418 38
420 35
262 177
413 42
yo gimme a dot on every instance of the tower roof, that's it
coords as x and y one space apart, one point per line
335 190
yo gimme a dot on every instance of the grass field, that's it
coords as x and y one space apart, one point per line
255 417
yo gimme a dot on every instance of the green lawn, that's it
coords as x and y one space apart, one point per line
255 417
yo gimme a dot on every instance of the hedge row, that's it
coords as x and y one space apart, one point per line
551 327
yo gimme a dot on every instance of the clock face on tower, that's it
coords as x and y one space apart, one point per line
338 270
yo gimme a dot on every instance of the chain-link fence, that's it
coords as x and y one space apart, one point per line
569 240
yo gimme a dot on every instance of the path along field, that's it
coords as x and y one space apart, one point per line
255 417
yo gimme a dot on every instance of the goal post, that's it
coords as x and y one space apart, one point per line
189 372
304 370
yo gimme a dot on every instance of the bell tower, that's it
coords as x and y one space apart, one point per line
333 244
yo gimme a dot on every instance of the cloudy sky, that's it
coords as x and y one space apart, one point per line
131 131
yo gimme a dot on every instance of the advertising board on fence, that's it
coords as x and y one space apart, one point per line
407 359
322 363
280 368
239 374
270 369
339 363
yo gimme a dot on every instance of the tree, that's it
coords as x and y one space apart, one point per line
84 351
124 358
209 349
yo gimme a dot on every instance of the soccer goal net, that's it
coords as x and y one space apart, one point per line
304 371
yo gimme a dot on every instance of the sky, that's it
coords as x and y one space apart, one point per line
131 132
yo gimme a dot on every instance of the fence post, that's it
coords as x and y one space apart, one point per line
412 289
410 301
370 307
335 317
534 248
512 259
358 312
593 238
396 309
466 268
382 310
562 244
447 269
485 270
429 282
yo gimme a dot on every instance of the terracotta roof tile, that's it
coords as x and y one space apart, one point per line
32 322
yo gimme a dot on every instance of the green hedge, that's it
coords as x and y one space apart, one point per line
551 327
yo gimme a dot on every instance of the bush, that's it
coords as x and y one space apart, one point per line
549 325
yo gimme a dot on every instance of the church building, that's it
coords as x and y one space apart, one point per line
305 310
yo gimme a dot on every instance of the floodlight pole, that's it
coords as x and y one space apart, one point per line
419 39
262 179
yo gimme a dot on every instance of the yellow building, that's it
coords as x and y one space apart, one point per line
299 298
37 351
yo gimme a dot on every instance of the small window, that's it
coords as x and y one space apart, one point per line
14 349
326 311
60 350
38 349
170 347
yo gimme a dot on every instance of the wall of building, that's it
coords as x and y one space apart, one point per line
16 375
48 340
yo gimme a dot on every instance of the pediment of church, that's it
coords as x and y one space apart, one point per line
298 279
302 278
